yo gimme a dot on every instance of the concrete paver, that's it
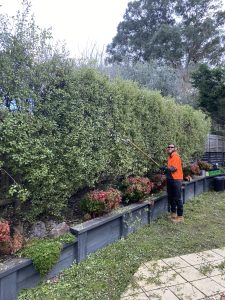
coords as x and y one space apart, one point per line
211 268
215 297
156 265
190 273
220 251
176 262
163 294
195 276
210 255
208 286
219 279
161 280
193 259
187 291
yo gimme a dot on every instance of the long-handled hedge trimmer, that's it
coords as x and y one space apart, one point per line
129 142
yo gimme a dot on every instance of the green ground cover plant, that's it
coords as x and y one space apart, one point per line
106 273
46 252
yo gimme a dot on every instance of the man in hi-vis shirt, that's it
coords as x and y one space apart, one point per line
174 177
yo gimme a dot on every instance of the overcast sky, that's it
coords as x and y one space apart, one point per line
82 24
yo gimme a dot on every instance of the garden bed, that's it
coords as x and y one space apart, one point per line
96 234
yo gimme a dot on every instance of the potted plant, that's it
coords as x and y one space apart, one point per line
204 167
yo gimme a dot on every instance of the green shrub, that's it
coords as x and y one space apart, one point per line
73 137
45 253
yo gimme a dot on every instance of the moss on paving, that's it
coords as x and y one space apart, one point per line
106 273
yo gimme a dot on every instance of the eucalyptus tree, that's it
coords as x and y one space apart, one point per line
177 32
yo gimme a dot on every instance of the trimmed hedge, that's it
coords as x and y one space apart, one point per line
72 136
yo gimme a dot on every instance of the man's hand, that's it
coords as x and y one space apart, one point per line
164 169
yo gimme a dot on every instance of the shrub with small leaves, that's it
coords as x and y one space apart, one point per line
46 252
99 202
135 189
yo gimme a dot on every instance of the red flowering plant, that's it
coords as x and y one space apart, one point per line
4 231
195 169
135 189
159 182
190 170
98 202
5 238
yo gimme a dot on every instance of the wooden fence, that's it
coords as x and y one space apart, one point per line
215 149
215 143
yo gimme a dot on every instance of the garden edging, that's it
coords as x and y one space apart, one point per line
93 235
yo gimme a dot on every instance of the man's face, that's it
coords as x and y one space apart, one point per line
170 148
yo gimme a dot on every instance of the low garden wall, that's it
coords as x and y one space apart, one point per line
20 273
93 235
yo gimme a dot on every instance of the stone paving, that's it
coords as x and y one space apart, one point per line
188 277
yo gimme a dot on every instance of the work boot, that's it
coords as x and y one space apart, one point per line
178 219
173 216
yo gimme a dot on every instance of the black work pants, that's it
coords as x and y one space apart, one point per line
175 204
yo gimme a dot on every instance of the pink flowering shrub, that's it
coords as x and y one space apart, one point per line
135 189
5 238
99 202
159 182
4 231
190 170
195 169
10 244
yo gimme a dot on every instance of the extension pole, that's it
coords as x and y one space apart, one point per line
140 150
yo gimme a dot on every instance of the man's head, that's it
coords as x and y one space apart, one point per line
171 148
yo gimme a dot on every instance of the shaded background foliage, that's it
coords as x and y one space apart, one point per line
211 98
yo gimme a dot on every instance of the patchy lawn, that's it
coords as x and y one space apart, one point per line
105 274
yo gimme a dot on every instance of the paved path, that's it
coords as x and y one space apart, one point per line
188 277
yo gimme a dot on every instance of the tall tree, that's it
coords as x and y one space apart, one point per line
29 62
211 85
179 32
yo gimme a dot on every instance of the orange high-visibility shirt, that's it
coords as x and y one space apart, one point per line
174 160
